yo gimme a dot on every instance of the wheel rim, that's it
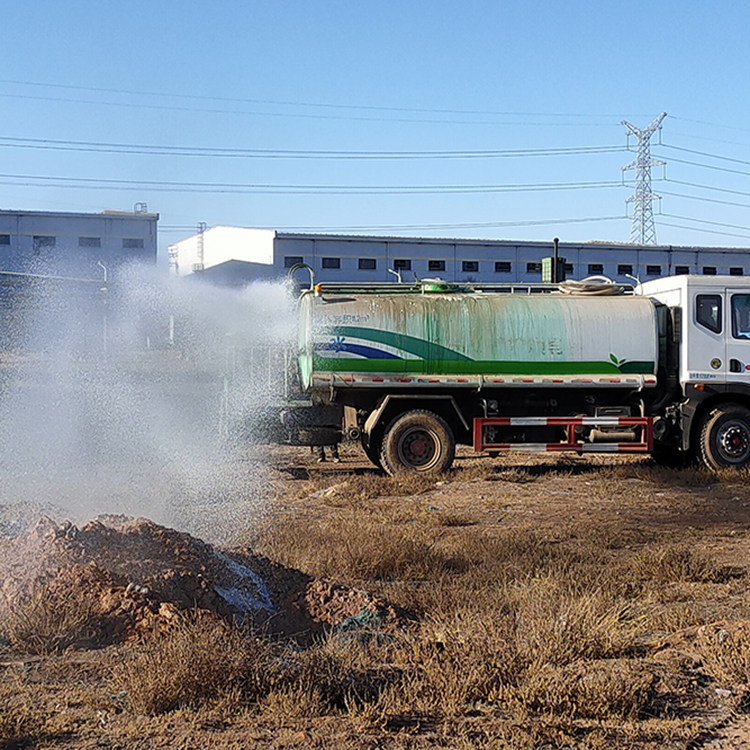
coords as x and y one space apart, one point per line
734 442
418 448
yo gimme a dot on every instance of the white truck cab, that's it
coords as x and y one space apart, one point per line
714 330
711 333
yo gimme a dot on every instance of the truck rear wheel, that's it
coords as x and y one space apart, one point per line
725 438
418 441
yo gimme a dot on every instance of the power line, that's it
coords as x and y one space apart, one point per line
707 187
706 200
703 231
674 159
711 124
151 150
218 187
425 227
705 153
305 115
290 103
706 221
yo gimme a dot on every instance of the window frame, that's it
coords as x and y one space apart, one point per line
744 335
330 263
706 322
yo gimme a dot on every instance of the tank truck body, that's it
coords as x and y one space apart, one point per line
584 367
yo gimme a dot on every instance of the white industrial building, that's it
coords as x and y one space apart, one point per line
237 256
84 245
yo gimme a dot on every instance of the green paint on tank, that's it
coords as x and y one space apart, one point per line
467 367
419 347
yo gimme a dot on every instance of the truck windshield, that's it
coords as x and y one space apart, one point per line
741 316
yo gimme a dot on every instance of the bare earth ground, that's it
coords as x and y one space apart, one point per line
334 542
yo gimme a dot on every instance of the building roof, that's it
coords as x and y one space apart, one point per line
107 214
474 241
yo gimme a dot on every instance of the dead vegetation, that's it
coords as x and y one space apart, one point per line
546 614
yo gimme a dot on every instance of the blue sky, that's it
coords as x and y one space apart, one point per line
80 81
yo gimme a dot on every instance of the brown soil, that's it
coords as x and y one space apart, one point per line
141 576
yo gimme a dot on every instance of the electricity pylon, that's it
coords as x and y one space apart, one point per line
643 230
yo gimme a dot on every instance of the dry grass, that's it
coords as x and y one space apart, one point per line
528 634
51 620
725 652
196 662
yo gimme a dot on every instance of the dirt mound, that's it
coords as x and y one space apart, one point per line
127 577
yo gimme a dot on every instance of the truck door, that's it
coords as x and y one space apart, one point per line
738 336
706 339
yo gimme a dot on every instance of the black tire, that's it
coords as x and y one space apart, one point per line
371 447
418 441
724 441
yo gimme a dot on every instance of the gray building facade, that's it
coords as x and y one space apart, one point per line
234 255
75 244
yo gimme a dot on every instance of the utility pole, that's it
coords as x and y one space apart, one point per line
643 231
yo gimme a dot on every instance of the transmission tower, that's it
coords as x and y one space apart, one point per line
642 230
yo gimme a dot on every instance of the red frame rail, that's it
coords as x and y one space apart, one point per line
644 445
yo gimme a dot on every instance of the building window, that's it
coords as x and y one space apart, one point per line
41 241
624 269
502 266
653 270
4 239
533 268
89 242
596 269
708 311
568 267
436 265
402 264
132 243
709 270
470 266
367 264
330 262
682 270
292 260
736 271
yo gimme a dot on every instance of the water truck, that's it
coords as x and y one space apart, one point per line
412 370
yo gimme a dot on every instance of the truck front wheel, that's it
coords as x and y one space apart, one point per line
418 441
725 438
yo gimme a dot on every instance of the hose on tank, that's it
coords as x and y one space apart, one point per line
593 286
